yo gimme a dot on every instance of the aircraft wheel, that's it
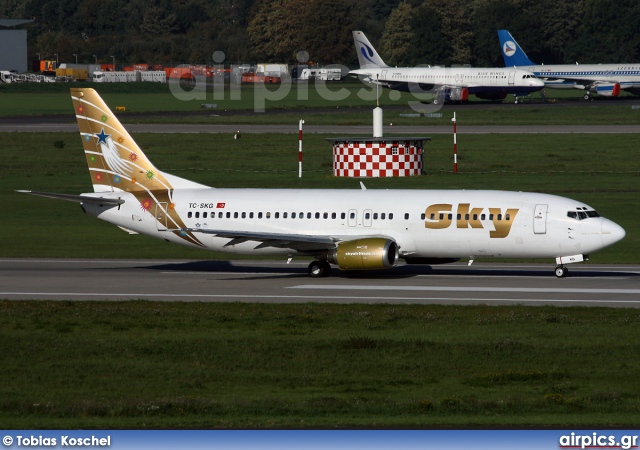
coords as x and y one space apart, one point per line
436 101
516 101
561 271
587 96
319 269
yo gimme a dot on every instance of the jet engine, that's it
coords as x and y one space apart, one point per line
365 254
608 89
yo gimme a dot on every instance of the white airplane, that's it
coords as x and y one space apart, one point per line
352 229
449 84
603 79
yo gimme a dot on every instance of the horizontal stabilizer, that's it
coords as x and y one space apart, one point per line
77 198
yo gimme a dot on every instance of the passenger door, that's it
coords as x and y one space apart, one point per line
540 219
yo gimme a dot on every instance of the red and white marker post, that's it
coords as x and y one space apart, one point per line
300 149
455 145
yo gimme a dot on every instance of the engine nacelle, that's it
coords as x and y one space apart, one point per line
608 89
456 94
365 254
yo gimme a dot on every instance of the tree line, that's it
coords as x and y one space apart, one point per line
405 32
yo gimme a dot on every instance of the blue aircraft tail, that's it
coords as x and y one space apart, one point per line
511 52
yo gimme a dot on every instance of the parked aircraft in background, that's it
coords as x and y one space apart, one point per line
602 79
447 83
352 229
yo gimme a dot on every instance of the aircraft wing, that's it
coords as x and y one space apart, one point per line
298 242
301 242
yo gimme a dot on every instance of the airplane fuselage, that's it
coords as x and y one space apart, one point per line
424 223
477 81
627 75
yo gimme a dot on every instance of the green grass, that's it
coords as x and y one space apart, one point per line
596 169
199 365
314 100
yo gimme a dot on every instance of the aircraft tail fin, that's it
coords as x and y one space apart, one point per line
115 161
367 55
511 52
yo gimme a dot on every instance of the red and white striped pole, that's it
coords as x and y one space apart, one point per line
300 149
455 145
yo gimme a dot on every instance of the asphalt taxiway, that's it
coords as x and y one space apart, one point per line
344 130
268 281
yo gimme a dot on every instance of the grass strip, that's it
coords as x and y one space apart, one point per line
145 364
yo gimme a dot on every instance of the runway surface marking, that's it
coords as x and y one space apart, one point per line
365 299
466 289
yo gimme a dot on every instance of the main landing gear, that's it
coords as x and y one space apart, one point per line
319 269
561 271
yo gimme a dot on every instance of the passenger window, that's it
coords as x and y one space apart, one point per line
220 215
284 215
244 215
235 215
293 215
499 216
406 216
197 215
268 215
228 215
375 216
277 215
343 216
317 215
390 216
325 216
189 214
449 216
422 216
490 216
352 215
382 216
250 215
507 217
204 215
260 215
483 216
466 217
308 215
459 216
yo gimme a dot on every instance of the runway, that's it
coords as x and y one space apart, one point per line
270 281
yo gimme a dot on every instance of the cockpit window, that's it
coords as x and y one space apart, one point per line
581 215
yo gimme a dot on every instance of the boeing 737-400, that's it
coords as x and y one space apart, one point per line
352 229
448 84
603 79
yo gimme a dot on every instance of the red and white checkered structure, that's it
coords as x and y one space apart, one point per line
377 157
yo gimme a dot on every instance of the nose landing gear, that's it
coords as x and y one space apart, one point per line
561 271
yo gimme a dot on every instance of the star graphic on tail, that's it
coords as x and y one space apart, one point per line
102 137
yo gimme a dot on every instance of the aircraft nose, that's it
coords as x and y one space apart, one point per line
611 232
